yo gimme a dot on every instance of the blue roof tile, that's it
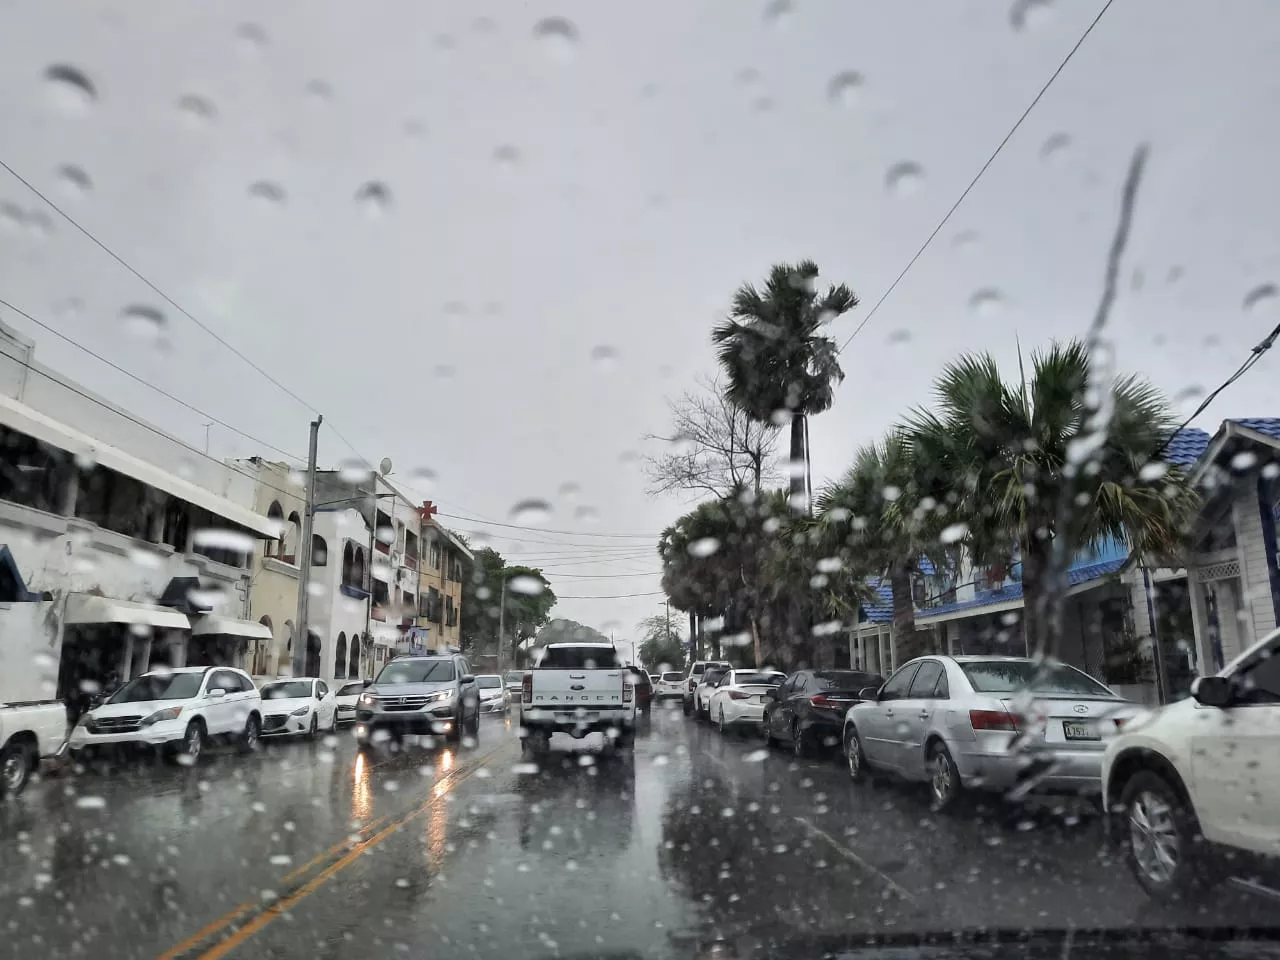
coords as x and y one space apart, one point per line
1186 446
1267 425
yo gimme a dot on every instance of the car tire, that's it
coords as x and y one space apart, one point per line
251 738
945 786
720 724
801 743
314 727
192 745
455 733
333 723
17 760
1163 844
855 757
766 730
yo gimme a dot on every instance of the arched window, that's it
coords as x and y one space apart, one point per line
357 569
275 514
292 537
340 656
348 562
319 551
353 670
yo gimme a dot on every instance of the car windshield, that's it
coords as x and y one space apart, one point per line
845 680
672 676
1010 676
713 674
286 690
155 686
579 658
351 689
488 683
416 671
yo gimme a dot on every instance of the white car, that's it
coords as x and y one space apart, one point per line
348 696
492 694
740 695
670 684
713 674
176 710
1192 790
298 705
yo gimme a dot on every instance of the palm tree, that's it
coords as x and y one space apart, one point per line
777 358
884 508
1053 463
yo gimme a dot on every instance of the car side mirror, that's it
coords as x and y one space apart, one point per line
1212 691
468 678
869 694
217 692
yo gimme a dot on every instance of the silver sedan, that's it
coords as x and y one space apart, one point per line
1006 724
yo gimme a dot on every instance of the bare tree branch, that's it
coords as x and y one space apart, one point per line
713 447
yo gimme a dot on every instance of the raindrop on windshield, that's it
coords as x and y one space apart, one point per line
144 322
70 88
196 109
557 37
586 514
531 512
904 178
1029 14
845 88
220 538
354 471
569 490
1261 298
965 240
527 585
954 532
604 357
704 547
267 192
506 155
830 564
319 91
778 13
891 492
251 38
374 198
1153 470
73 180
423 478
901 335
987 302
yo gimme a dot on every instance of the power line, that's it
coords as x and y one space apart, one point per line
155 289
972 183
568 533
150 386
604 576
614 596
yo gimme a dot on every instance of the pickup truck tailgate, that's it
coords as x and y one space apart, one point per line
568 689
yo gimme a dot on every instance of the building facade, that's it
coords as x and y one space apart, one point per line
273 598
446 560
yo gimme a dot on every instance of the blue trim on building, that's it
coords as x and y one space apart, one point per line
9 567
354 592
1266 511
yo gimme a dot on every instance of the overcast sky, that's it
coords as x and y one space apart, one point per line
603 189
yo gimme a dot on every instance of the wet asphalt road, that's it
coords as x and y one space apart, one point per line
310 850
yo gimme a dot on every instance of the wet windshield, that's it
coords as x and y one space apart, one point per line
174 686
286 691
915 360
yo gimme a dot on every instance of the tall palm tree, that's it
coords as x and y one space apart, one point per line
776 356
1053 463
885 509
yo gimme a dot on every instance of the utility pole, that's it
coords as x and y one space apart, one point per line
502 621
667 604
302 636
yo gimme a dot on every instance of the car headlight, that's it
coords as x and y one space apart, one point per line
367 700
168 713
440 696
300 712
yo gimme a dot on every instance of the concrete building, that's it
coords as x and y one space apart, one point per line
120 547
446 560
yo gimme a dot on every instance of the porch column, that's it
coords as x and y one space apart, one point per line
1202 650
126 657
1234 623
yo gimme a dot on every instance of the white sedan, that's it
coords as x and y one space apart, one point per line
298 705
740 695
348 696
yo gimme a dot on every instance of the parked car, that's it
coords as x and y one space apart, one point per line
986 723
1191 788
807 710
492 694
511 682
301 705
644 688
670 684
706 684
347 696
176 711
654 678
740 697
693 677
420 695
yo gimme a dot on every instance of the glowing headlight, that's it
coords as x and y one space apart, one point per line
367 700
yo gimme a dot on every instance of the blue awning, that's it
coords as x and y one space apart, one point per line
13 589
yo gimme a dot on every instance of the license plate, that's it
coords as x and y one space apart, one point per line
757 699
1080 730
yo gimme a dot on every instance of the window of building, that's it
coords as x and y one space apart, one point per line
31 474
319 551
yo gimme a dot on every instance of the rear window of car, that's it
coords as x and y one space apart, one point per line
845 680
579 658
1009 676
351 689
713 674
672 676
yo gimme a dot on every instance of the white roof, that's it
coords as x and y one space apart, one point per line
572 643
229 626
87 608
18 416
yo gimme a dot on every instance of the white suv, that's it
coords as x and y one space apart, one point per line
1193 789
174 710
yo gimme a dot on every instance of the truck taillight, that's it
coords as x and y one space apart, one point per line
628 690
526 689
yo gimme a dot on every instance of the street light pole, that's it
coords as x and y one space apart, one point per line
502 620
302 637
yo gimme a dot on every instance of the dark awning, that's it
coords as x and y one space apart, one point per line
13 589
178 594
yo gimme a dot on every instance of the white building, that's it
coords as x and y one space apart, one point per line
119 545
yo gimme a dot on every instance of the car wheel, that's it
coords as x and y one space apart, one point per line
314 727
855 759
801 745
720 724
16 761
686 706
766 729
252 735
1163 840
192 745
455 731
944 777
333 722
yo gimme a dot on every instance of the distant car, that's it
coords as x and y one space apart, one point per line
706 686
348 696
808 710
739 697
492 695
644 688
298 705
692 679
512 682
670 684
419 695
654 678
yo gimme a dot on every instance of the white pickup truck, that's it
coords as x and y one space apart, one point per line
33 724
577 688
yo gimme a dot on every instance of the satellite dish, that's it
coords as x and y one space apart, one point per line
385 466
